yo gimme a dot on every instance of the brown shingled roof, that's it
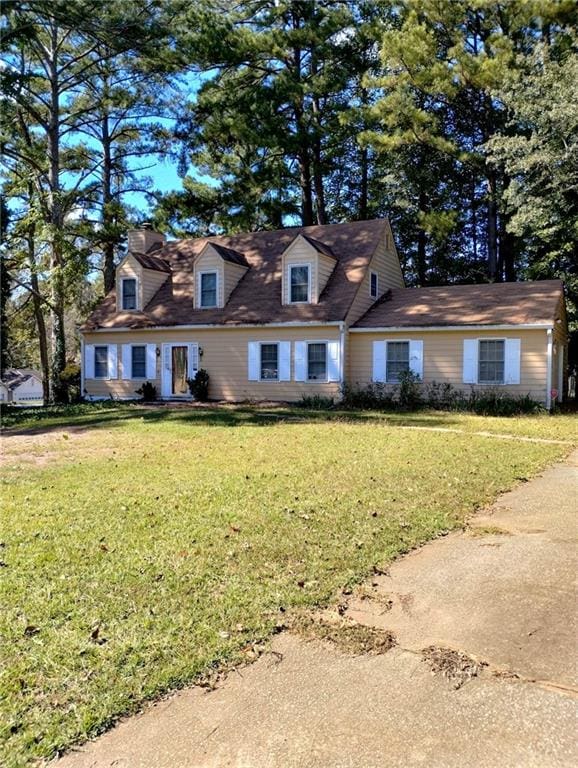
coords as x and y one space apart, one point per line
257 297
148 261
488 304
319 246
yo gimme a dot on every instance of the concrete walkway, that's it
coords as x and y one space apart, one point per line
483 673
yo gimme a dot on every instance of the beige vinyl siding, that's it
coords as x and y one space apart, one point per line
232 274
225 357
209 261
325 266
443 357
385 263
148 281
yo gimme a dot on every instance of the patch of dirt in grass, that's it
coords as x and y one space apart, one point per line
349 637
39 449
455 666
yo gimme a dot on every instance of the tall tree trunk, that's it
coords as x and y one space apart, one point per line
39 316
107 214
474 214
492 234
507 250
317 151
421 265
56 223
363 183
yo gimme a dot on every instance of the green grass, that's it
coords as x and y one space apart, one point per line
153 546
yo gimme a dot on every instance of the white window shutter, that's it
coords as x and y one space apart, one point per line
416 358
89 361
333 367
151 361
470 361
254 361
300 361
112 361
379 360
126 361
193 364
284 361
512 361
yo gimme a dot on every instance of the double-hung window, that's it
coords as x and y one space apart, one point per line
269 362
317 361
373 285
208 289
397 360
101 362
139 362
299 279
128 293
491 357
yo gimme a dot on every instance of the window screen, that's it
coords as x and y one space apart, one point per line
269 362
100 362
209 289
129 294
139 364
299 283
317 362
397 359
491 362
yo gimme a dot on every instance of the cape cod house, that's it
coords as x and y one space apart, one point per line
278 315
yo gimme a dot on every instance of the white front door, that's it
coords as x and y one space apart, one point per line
180 363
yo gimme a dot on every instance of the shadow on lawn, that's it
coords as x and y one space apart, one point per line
86 417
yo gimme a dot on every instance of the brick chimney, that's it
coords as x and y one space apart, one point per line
144 239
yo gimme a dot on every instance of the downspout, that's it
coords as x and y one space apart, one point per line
549 371
341 356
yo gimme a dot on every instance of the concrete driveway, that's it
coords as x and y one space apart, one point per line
483 672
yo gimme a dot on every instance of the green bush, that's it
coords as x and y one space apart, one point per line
316 402
148 392
408 391
375 396
199 385
410 394
70 380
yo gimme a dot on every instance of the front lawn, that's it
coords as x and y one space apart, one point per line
140 549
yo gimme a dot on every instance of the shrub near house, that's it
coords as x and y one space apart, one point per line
301 313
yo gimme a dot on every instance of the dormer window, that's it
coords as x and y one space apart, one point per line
373 285
299 283
128 293
207 290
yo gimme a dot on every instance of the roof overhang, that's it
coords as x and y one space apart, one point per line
434 328
214 326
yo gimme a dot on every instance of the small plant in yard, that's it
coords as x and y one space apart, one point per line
316 402
148 392
199 385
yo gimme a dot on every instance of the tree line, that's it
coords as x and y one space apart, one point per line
456 119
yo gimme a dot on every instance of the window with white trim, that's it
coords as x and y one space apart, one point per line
208 290
373 285
128 287
491 360
299 279
270 362
101 362
138 361
317 361
397 360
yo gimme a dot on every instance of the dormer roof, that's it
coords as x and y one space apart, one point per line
148 261
229 254
319 246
